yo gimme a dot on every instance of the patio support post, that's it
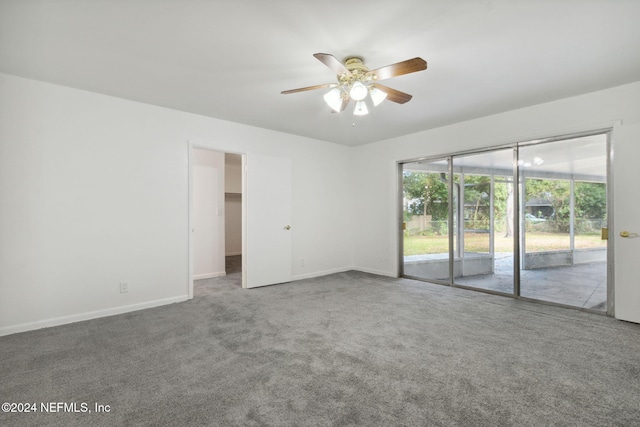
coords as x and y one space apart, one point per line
572 216
518 224
492 219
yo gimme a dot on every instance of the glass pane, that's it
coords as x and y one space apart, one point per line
485 224
590 215
476 214
426 214
563 207
546 214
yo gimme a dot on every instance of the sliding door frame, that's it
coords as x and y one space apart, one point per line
517 245
400 223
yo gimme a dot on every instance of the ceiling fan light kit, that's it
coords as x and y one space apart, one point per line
356 81
358 91
333 98
360 109
377 96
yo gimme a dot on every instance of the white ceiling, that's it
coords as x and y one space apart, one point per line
231 59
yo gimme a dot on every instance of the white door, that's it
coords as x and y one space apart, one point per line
268 216
627 219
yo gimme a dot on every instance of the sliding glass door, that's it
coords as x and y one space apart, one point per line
564 207
485 226
523 220
425 209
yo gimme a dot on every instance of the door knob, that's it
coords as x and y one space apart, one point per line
627 234
287 227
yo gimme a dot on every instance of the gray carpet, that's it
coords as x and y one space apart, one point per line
232 279
345 349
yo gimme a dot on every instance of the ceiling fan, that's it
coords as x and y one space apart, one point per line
356 81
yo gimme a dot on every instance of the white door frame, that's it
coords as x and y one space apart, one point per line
203 146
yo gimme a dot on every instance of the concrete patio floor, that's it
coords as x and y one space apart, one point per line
580 285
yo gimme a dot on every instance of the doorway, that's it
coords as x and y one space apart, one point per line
216 187
233 218
266 228
525 220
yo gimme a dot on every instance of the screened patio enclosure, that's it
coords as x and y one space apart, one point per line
524 220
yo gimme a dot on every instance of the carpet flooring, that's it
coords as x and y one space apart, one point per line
232 279
347 349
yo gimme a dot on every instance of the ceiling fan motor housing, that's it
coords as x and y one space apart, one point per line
353 64
357 72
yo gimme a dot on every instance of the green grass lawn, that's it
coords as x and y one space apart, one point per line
479 242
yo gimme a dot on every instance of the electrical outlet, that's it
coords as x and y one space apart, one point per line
302 262
124 287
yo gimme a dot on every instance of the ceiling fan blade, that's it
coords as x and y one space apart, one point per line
331 62
303 89
394 95
400 68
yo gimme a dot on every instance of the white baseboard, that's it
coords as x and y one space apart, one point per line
320 273
372 271
342 270
57 321
209 275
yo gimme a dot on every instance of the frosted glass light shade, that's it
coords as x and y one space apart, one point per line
377 96
360 109
358 91
333 99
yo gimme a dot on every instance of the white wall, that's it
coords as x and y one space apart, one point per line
233 173
208 214
375 177
94 190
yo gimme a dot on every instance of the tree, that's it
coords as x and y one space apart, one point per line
429 194
590 200
557 192
477 193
